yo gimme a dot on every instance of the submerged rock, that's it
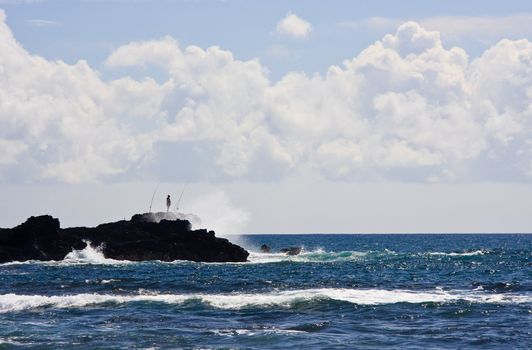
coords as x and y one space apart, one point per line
138 239
291 250
265 248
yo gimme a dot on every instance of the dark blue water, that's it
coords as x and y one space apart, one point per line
344 291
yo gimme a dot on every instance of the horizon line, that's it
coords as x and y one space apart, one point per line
378 233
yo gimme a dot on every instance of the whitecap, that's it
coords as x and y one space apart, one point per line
318 255
473 253
12 341
254 332
285 299
101 281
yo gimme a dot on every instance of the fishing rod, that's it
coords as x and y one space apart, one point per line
153 196
180 196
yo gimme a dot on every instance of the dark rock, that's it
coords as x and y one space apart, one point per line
291 250
265 248
41 238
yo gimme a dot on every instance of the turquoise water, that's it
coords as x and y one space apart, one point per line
343 291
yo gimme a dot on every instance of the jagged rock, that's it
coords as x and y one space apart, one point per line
194 220
41 238
291 250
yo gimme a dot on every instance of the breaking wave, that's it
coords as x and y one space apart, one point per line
286 299
10 341
254 332
87 255
320 255
317 255
472 253
94 255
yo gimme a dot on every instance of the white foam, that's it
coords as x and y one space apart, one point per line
17 302
254 332
101 281
89 254
10 341
476 252
317 255
20 262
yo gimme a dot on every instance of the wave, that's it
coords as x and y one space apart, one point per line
88 255
473 253
94 255
11 341
286 299
318 255
254 332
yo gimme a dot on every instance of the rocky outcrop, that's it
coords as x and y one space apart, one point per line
288 251
265 248
138 239
291 250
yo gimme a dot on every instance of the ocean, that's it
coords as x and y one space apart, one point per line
433 291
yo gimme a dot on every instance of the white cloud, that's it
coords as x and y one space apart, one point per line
293 26
43 23
164 52
405 108
487 29
10 150
71 122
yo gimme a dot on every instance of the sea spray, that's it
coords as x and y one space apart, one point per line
217 212
89 255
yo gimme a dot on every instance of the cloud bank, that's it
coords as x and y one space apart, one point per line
406 108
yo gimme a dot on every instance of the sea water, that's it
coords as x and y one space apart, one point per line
342 291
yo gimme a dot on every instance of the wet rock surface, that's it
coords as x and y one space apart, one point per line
291 250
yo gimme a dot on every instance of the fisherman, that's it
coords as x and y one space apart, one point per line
168 203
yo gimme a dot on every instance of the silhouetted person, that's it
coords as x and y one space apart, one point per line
168 203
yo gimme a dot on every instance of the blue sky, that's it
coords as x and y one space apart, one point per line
89 30
390 112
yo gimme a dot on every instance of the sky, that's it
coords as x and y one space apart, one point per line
277 116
